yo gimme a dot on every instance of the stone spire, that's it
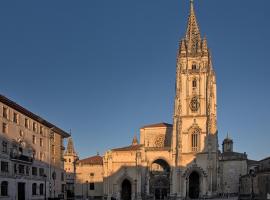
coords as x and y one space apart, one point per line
204 46
70 147
134 141
193 36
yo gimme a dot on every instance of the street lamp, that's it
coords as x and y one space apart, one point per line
86 189
252 176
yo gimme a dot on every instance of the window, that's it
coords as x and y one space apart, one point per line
69 160
63 188
92 186
4 128
34 189
16 118
4 166
34 126
52 136
194 83
41 189
195 140
41 130
194 67
41 172
21 169
34 139
92 174
5 112
26 123
4 188
41 142
4 147
34 171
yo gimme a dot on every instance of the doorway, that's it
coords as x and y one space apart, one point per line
21 191
194 185
126 190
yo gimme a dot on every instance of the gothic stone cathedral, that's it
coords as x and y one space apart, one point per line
179 160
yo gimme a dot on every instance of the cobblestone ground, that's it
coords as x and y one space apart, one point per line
230 198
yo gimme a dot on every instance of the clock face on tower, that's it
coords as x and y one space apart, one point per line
194 104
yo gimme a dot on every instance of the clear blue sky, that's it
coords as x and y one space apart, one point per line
105 68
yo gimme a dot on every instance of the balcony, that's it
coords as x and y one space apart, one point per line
21 158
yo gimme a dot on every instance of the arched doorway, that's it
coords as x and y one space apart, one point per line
160 179
126 190
194 185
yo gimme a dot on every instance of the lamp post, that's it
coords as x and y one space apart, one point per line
45 194
87 190
252 176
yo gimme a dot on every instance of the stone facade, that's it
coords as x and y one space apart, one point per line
232 166
173 161
256 182
89 178
31 154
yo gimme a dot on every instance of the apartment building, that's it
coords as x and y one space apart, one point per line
31 154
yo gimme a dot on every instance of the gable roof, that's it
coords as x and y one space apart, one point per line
162 124
128 148
94 160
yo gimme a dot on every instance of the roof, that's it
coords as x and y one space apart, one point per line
31 115
267 158
128 148
162 124
233 156
94 160
253 162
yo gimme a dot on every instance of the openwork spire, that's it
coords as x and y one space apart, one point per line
70 147
134 141
193 36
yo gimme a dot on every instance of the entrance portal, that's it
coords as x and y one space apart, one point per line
21 191
126 190
194 185
160 179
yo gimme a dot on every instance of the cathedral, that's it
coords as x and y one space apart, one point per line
170 161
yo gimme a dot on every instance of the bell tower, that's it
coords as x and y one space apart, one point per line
194 143
70 159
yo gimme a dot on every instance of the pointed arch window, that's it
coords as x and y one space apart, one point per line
195 140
